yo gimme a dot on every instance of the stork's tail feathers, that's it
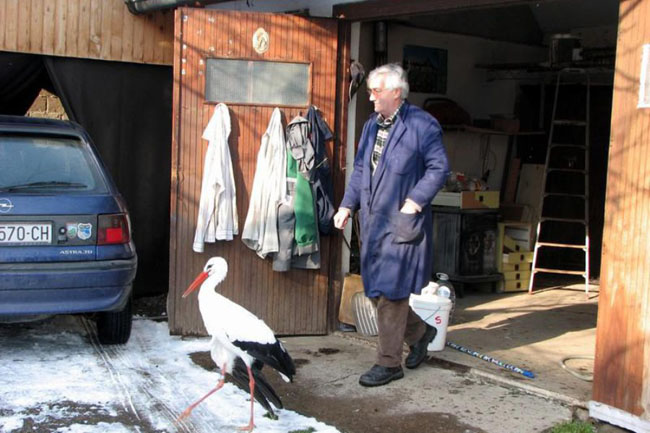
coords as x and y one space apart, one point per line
264 392
282 361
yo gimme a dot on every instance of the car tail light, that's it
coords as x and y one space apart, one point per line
113 229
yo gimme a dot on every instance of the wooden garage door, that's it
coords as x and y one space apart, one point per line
217 47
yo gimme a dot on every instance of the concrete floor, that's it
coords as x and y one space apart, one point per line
533 332
454 392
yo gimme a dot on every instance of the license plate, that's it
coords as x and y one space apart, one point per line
25 233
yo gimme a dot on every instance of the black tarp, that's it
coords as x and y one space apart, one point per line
126 108
22 76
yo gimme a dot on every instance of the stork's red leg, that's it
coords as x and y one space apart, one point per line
251 384
191 407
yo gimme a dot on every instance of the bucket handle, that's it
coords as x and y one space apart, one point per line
432 314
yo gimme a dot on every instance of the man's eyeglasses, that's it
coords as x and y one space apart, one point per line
375 92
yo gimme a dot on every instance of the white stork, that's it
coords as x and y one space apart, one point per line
241 343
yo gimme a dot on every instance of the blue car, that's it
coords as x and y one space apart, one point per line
65 235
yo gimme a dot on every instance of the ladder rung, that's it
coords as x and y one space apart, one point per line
564 194
570 70
570 122
579 146
558 271
564 220
556 245
567 170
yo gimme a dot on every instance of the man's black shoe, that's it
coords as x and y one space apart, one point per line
419 350
379 375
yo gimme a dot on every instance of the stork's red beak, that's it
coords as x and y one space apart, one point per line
196 283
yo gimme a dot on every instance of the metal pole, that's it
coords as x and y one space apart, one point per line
487 358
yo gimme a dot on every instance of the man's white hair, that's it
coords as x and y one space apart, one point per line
394 78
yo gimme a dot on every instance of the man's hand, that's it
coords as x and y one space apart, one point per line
410 207
341 218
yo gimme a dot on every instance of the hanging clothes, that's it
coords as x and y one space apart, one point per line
217 216
269 188
297 225
287 256
321 180
300 166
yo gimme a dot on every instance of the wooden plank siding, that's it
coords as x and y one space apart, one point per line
93 29
294 302
622 364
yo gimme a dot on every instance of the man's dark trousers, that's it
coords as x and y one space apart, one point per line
396 323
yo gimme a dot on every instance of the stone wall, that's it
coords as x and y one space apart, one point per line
47 105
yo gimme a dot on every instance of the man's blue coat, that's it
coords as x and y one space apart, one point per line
397 248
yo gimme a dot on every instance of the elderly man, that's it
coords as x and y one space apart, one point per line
400 166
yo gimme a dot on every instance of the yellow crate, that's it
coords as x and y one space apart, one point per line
515 286
516 275
509 267
468 199
513 245
509 244
521 233
522 246
518 257
480 199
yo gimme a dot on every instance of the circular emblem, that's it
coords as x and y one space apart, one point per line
260 41
5 205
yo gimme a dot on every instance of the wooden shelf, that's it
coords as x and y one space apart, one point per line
600 74
488 131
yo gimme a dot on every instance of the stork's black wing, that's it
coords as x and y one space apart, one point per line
272 354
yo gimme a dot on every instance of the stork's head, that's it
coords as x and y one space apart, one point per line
216 268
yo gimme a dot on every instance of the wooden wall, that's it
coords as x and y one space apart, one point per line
294 302
622 365
94 29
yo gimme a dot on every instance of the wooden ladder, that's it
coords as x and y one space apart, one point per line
563 213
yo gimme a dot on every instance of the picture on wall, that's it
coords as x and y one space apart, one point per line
426 68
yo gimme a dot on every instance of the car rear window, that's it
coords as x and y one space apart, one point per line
48 164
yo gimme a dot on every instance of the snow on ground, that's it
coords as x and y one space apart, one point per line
55 377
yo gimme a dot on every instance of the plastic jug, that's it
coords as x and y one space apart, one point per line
446 290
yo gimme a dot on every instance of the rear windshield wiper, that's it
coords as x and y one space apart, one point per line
43 184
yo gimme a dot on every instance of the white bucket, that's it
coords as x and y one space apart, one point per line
434 310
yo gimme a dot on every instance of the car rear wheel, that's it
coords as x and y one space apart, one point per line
114 327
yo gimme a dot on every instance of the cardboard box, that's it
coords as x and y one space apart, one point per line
468 199
352 284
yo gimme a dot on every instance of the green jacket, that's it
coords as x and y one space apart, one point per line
300 164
